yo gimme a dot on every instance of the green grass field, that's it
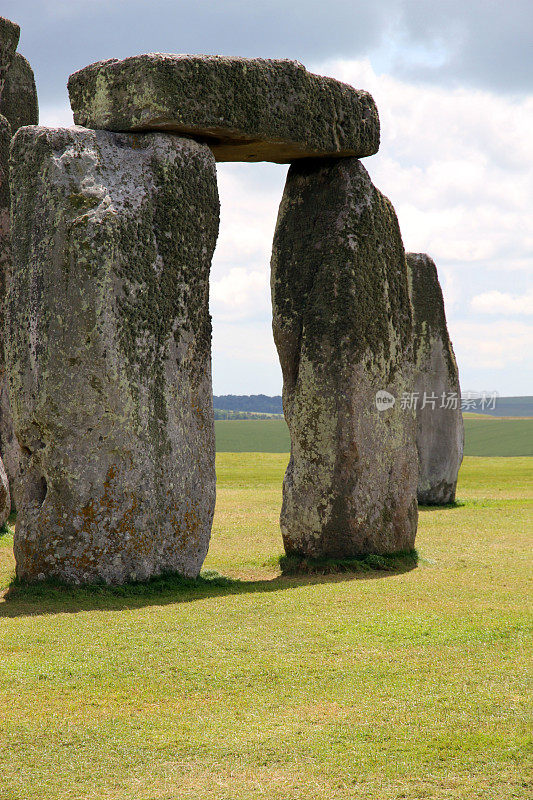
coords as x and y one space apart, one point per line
484 436
499 437
414 684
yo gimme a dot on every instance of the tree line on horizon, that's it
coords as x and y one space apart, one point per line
261 403
249 402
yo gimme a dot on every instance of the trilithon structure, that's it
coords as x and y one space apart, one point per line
108 332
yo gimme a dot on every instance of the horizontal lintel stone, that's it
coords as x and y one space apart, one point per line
244 109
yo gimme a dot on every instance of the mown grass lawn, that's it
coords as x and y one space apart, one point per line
376 685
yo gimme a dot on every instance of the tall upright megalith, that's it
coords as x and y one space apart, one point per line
5 239
9 39
9 448
343 330
18 106
5 499
109 363
440 432
18 101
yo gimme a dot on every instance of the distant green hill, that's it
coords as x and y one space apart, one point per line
508 407
248 402
504 406
483 437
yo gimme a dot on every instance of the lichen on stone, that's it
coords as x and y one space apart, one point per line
440 432
343 329
244 109
18 99
110 360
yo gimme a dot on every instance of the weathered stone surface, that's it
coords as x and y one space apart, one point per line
343 328
18 102
9 39
9 447
18 105
109 368
245 109
5 501
440 433
5 141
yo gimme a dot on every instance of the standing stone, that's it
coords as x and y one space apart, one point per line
5 500
18 102
9 447
9 39
343 330
245 109
109 368
440 431
5 241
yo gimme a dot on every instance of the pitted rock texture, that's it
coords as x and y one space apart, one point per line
245 109
5 501
9 39
440 431
343 329
109 369
18 102
9 447
5 238
18 105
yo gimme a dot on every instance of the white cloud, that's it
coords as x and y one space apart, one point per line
458 166
450 288
249 342
55 116
249 201
240 294
491 346
502 303
245 359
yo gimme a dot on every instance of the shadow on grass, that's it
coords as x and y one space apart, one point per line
443 506
7 528
478 502
50 597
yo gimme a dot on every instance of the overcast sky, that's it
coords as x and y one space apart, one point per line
453 81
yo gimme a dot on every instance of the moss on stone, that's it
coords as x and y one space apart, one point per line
5 142
342 275
440 434
110 363
18 99
343 329
82 202
245 109
429 316
9 38
9 451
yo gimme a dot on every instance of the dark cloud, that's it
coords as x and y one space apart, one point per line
489 43
485 42
60 36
